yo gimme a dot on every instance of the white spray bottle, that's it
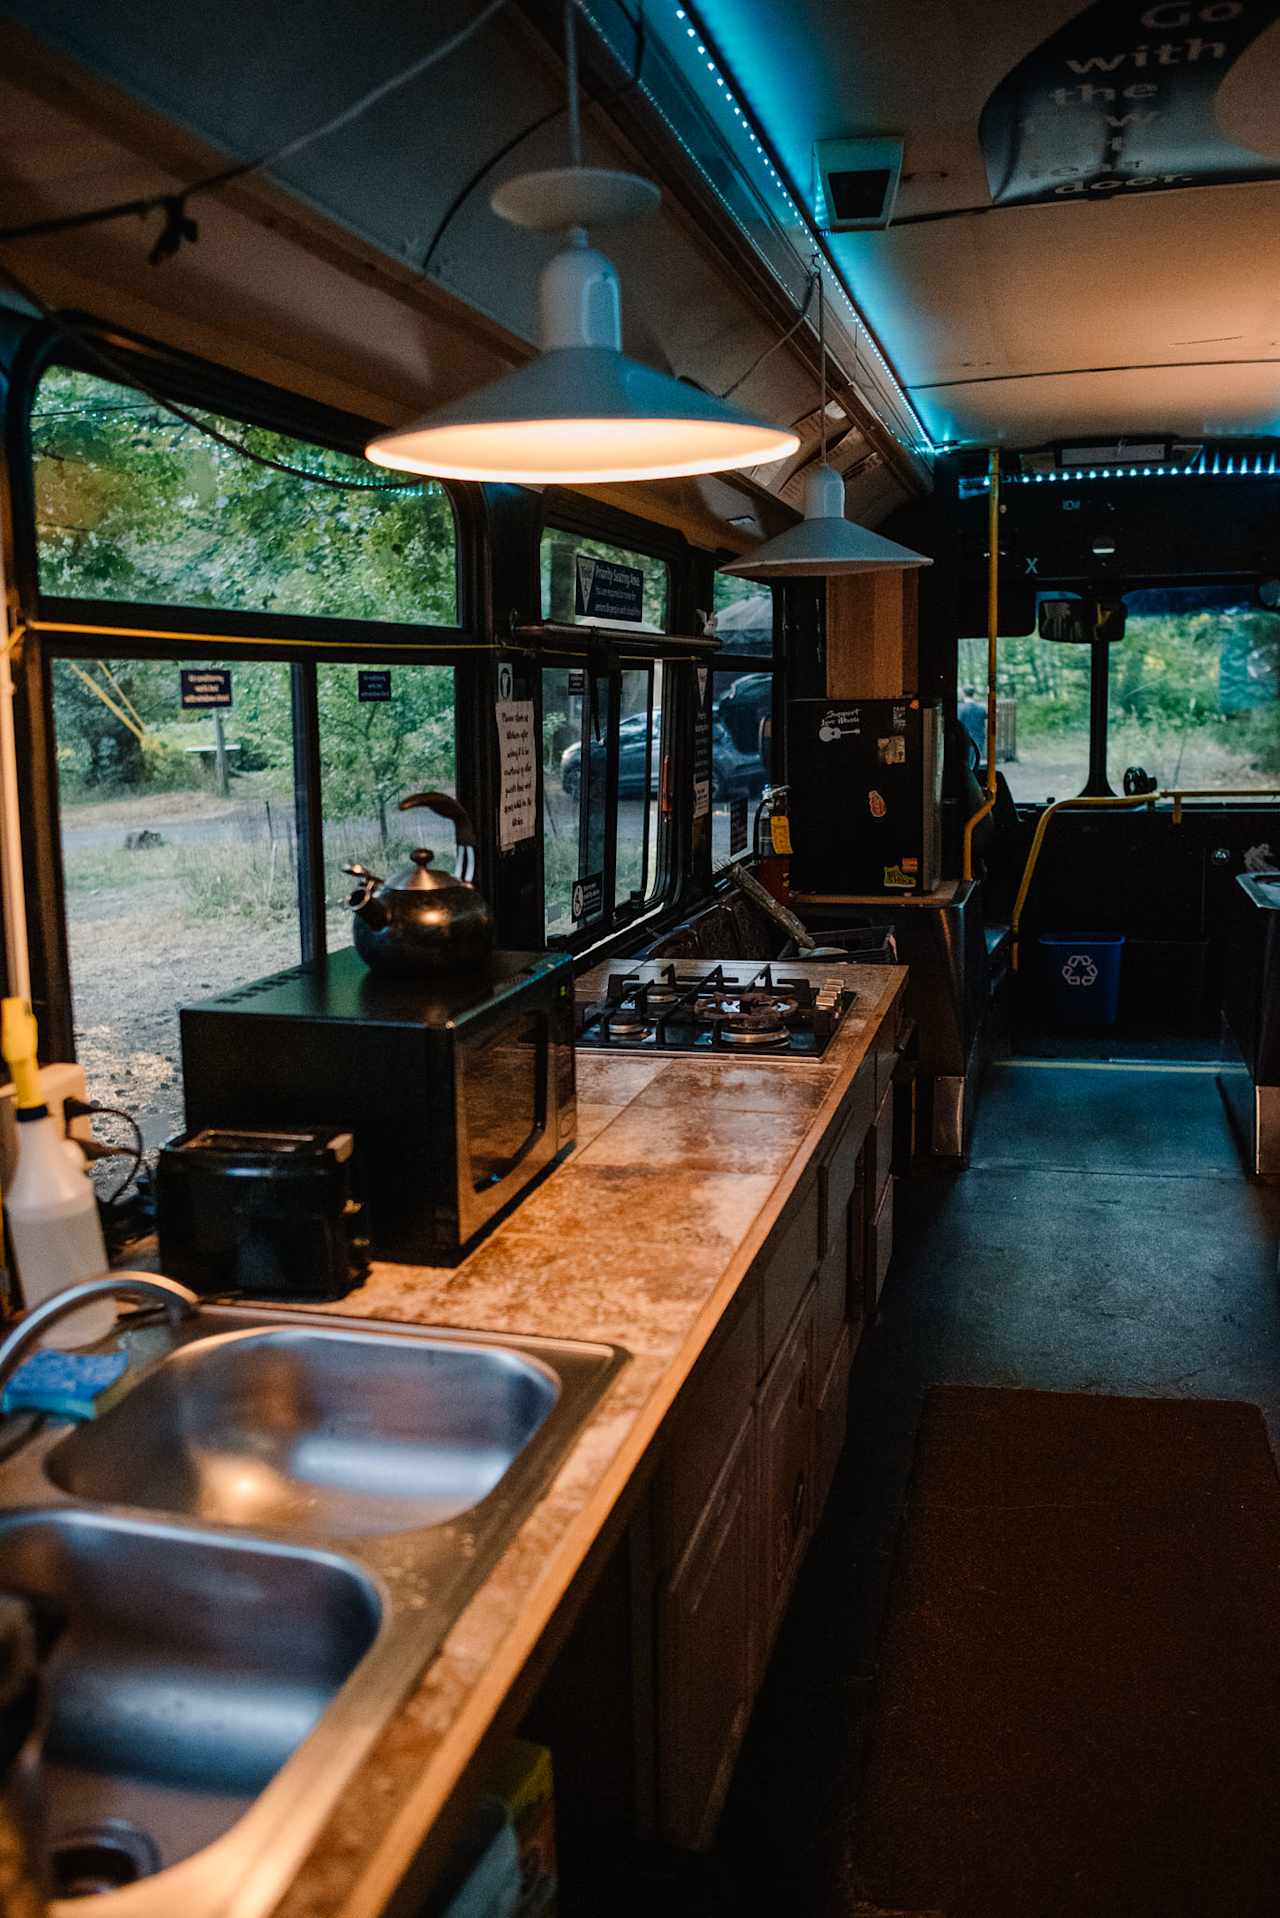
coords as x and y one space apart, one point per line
53 1214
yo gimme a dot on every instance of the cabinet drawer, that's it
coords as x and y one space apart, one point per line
879 1248
894 1034
832 1422
880 1154
839 1171
711 1411
831 1294
786 1467
707 1655
786 1269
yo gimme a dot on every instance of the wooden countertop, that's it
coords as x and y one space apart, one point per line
682 1168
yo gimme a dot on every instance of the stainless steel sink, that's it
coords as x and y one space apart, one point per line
314 1430
186 1669
333 1491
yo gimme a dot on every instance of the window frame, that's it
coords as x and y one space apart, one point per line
771 663
609 651
59 627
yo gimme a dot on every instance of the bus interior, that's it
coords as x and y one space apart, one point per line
826 598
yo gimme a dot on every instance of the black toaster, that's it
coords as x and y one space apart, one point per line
265 1214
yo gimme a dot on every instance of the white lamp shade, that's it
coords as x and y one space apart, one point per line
578 414
825 542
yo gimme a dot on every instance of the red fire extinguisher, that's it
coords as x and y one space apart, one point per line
772 843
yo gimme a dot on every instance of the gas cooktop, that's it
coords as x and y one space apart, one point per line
740 1009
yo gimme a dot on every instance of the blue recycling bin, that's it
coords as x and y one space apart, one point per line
1082 973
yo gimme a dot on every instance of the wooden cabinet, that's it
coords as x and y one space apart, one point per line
714 1404
786 1467
879 1247
707 1660
880 1154
832 1421
750 1452
788 1265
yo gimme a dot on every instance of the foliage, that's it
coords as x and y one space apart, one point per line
133 504
1197 678
377 751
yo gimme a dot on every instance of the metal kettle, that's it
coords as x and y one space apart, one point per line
422 921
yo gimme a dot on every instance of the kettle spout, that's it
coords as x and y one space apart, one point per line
362 901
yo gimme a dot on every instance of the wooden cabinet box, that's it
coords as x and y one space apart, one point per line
787 1268
707 1658
715 1402
786 1468
879 1248
880 1154
832 1420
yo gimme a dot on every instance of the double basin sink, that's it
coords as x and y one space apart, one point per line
243 1564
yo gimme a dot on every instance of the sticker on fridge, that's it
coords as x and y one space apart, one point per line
876 804
893 751
838 721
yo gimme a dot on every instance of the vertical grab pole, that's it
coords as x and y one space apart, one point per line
993 621
993 610
13 901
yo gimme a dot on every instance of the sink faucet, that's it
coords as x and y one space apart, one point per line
151 1287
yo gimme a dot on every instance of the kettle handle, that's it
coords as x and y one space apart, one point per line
448 808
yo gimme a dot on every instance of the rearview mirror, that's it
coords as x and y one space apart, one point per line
1082 622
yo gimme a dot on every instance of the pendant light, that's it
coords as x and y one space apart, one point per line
824 542
581 411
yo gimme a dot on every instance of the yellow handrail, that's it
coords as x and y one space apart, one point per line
1115 802
993 620
1042 827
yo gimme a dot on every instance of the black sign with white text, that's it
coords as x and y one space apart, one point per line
372 685
204 686
587 901
602 589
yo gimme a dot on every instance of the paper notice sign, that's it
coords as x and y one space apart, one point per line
518 766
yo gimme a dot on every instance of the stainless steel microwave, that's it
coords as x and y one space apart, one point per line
459 1091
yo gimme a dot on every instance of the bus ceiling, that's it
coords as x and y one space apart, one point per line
1063 240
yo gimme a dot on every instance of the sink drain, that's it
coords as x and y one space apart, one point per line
98 1858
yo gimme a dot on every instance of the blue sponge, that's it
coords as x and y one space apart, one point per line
67 1384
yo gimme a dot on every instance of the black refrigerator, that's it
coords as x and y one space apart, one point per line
866 795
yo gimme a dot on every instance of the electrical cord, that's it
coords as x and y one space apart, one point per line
84 1109
178 228
117 371
482 173
790 333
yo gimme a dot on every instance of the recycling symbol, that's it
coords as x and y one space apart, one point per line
1079 970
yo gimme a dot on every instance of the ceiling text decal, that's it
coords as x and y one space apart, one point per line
1122 100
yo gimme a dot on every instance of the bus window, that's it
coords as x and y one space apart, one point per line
385 731
133 504
571 597
1194 686
1042 713
741 713
178 844
580 895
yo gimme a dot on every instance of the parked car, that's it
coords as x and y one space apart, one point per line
744 711
734 771
633 741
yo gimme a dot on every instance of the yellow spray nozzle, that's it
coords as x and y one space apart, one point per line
18 1041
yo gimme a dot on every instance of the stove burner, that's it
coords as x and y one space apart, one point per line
746 1005
630 1025
761 1031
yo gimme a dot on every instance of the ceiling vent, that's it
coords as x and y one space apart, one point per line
855 183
